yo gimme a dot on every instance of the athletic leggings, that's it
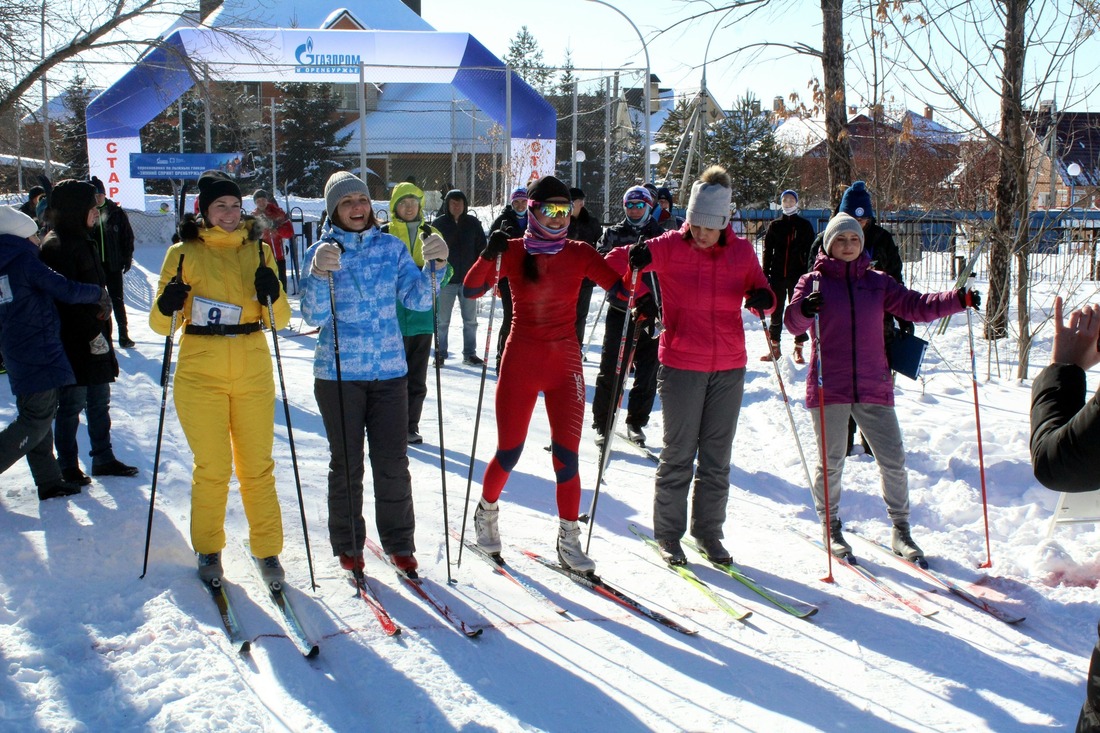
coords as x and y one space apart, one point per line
554 369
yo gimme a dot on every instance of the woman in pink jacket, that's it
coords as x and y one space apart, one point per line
707 275
852 299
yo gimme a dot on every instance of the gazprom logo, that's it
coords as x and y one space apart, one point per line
324 63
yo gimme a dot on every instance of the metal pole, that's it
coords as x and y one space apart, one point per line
473 151
508 182
454 147
573 152
648 141
363 123
607 149
274 162
47 169
208 120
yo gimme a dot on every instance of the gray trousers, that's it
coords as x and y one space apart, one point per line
31 435
700 412
879 424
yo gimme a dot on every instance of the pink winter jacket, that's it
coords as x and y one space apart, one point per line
702 295
853 299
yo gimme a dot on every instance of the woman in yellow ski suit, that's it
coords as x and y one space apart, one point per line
224 390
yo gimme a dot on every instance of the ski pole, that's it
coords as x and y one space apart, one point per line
605 453
592 331
289 428
477 416
824 458
787 404
427 231
978 424
165 374
356 572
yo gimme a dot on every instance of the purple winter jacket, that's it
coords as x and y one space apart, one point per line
853 299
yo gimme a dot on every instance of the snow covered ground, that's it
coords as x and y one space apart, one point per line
87 646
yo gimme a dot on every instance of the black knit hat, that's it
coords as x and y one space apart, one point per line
70 202
576 194
547 188
212 186
98 185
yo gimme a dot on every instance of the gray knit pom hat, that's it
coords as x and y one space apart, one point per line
711 195
841 223
339 185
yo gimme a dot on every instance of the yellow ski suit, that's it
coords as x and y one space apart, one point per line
224 390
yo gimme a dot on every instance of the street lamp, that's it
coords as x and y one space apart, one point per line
578 158
645 84
1072 170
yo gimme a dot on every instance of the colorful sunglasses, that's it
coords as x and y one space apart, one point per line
555 210
635 204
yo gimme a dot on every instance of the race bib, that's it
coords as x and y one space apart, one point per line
206 312
5 290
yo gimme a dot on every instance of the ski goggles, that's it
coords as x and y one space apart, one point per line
555 210
635 204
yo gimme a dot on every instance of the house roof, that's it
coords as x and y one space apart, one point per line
382 15
1078 141
802 134
417 118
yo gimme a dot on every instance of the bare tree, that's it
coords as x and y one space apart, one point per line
962 49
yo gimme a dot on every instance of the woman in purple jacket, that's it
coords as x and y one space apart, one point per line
850 301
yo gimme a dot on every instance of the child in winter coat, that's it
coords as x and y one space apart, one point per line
850 302
417 326
541 355
707 274
224 389
358 269
30 339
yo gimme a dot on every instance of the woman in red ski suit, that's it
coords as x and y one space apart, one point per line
541 355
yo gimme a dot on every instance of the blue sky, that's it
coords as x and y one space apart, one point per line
600 38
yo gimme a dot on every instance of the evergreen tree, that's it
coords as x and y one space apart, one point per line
525 58
71 148
567 78
744 144
309 144
669 135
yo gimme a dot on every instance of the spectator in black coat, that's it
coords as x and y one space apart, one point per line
638 223
30 207
583 227
1065 439
114 238
513 222
70 250
786 248
465 241
30 338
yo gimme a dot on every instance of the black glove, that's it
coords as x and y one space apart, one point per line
267 285
496 246
173 297
104 304
759 300
640 256
905 328
969 298
811 305
645 308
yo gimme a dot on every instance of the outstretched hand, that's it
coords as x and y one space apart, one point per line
1076 342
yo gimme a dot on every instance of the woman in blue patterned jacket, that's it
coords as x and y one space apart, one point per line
365 268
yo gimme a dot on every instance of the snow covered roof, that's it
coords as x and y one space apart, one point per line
383 15
417 118
800 134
